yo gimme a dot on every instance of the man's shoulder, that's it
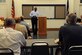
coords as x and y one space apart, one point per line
17 32
20 25
12 32
64 26
1 30
23 23
67 26
32 11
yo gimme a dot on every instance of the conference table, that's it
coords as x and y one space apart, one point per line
50 42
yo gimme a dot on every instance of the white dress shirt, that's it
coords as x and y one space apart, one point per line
12 39
33 13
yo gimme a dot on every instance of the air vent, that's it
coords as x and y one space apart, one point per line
2 1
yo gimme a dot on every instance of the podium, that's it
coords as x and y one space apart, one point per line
42 27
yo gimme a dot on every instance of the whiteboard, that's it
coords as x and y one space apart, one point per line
46 11
49 11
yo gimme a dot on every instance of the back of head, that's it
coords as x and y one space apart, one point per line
72 18
35 9
17 19
21 18
2 18
8 22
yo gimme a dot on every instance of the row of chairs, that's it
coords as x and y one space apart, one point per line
38 48
75 50
42 48
6 51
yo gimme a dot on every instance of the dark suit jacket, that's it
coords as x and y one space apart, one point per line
69 35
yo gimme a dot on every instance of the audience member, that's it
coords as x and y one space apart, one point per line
1 21
20 27
70 34
78 19
10 38
27 26
2 18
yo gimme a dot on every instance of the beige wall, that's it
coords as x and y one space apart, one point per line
71 4
75 6
5 9
50 23
44 1
18 7
55 23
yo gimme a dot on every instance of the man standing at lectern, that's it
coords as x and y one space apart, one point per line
34 14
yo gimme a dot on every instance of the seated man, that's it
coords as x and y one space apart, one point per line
27 26
1 22
70 34
20 27
10 38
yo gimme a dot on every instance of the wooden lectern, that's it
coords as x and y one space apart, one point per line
42 27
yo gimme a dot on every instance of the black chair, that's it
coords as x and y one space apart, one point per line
6 51
58 51
40 48
75 50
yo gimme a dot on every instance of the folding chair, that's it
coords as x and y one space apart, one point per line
40 48
75 50
6 51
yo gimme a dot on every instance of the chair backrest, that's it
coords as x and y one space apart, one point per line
6 51
75 50
40 48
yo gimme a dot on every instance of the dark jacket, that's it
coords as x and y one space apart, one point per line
69 35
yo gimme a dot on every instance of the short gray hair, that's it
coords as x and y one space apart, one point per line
72 18
9 22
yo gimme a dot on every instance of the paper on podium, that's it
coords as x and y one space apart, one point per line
56 40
